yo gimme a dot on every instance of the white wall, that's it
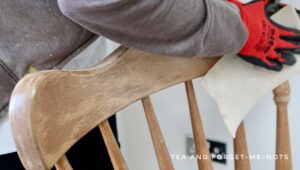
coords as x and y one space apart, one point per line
172 112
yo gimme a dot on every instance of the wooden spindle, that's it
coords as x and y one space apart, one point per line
198 130
63 164
281 97
162 154
241 149
113 149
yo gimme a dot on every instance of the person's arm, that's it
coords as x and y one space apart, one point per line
172 27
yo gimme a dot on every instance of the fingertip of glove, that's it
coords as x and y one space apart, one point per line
276 68
273 64
297 51
290 59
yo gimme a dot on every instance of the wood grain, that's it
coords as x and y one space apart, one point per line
74 102
242 162
281 98
63 164
198 130
112 146
162 154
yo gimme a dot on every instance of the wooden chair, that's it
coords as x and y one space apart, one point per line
51 110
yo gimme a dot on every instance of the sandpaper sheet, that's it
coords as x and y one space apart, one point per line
237 86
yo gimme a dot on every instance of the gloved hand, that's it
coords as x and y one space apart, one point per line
269 44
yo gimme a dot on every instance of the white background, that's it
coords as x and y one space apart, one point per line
172 112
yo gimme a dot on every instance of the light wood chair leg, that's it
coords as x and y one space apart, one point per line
63 164
241 149
162 154
113 149
198 130
283 148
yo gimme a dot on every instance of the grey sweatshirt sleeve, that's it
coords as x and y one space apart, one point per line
172 27
34 33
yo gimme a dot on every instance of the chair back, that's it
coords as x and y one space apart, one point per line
51 110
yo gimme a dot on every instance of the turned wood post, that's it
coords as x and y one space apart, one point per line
198 129
63 164
161 150
111 144
281 97
241 149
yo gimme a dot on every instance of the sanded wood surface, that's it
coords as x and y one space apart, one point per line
242 162
283 148
63 164
161 150
198 130
113 149
74 102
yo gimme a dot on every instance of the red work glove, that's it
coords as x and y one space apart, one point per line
269 44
